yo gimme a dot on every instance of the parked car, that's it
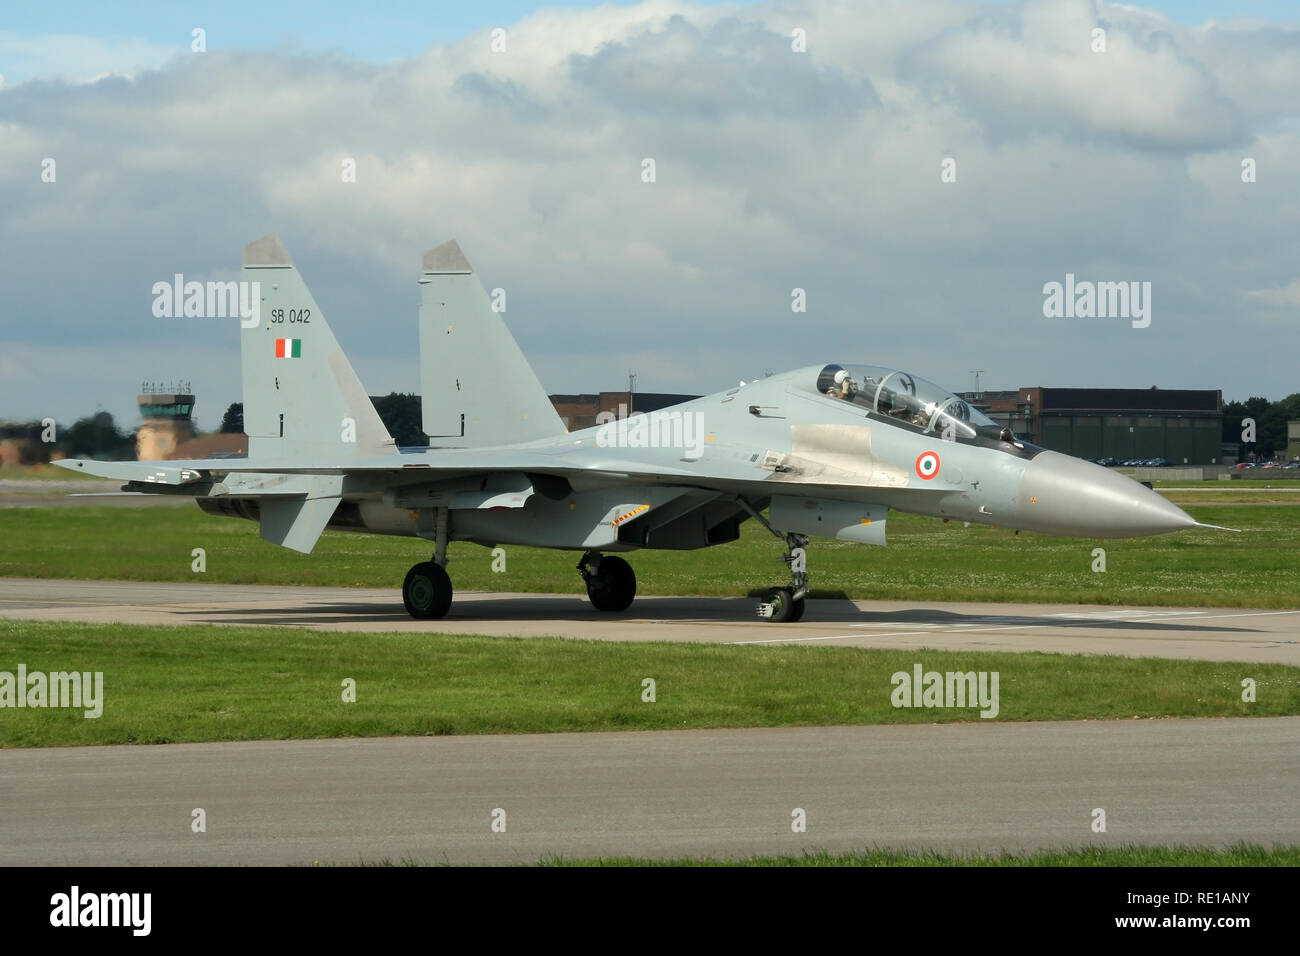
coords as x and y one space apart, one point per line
1244 464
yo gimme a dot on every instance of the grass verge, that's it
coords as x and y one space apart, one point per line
1241 854
210 683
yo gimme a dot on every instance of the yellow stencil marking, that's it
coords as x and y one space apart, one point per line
635 511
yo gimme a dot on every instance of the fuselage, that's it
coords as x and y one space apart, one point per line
829 439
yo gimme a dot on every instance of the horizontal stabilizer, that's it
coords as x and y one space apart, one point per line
297 523
146 472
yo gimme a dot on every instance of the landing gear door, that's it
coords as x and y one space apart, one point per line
825 518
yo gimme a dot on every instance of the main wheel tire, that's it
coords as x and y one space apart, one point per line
613 586
783 605
426 592
796 612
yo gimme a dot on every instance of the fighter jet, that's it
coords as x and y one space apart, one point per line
822 451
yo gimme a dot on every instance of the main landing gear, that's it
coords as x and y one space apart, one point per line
785 605
427 590
611 584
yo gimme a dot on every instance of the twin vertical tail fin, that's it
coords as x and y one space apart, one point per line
303 403
477 387
305 407
301 396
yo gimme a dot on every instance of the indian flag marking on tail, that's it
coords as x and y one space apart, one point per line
288 348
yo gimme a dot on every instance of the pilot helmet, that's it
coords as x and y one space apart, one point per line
840 376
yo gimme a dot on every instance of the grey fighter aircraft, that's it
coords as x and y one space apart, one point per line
825 451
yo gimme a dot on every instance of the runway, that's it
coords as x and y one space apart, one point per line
46 493
722 793
1224 634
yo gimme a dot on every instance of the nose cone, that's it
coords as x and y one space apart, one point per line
1067 496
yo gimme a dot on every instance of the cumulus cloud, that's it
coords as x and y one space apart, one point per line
775 169
1288 295
78 59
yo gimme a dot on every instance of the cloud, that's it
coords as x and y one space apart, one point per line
1059 66
1285 296
72 58
774 170
721 69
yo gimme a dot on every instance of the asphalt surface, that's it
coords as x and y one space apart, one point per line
48 493
724 793
1228 634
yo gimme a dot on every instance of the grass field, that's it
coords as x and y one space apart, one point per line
1245 496
165 685
1242 854
926 559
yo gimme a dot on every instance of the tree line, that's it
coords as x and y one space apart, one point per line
400 412
1270 424
98 435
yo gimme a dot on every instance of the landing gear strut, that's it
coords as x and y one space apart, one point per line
427 590
611 583
785 605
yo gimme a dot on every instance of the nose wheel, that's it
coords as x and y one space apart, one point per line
780 606
785 605
611 583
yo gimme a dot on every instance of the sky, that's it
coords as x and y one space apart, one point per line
922 170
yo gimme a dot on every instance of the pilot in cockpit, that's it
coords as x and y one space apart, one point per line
844 386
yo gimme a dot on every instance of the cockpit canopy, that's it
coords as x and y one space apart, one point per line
905 398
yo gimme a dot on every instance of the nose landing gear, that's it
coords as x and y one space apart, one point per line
785 605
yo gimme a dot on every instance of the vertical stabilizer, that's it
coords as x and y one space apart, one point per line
476 385
301 397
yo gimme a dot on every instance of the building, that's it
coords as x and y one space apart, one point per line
1183 426
167 411
22 445
1006 408
580 411
1293 441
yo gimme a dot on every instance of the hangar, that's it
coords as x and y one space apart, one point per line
1181 425
580 411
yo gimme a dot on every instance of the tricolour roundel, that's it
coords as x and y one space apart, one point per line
927 465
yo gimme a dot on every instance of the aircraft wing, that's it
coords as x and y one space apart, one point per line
196 476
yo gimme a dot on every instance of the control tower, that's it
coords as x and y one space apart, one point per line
167 409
